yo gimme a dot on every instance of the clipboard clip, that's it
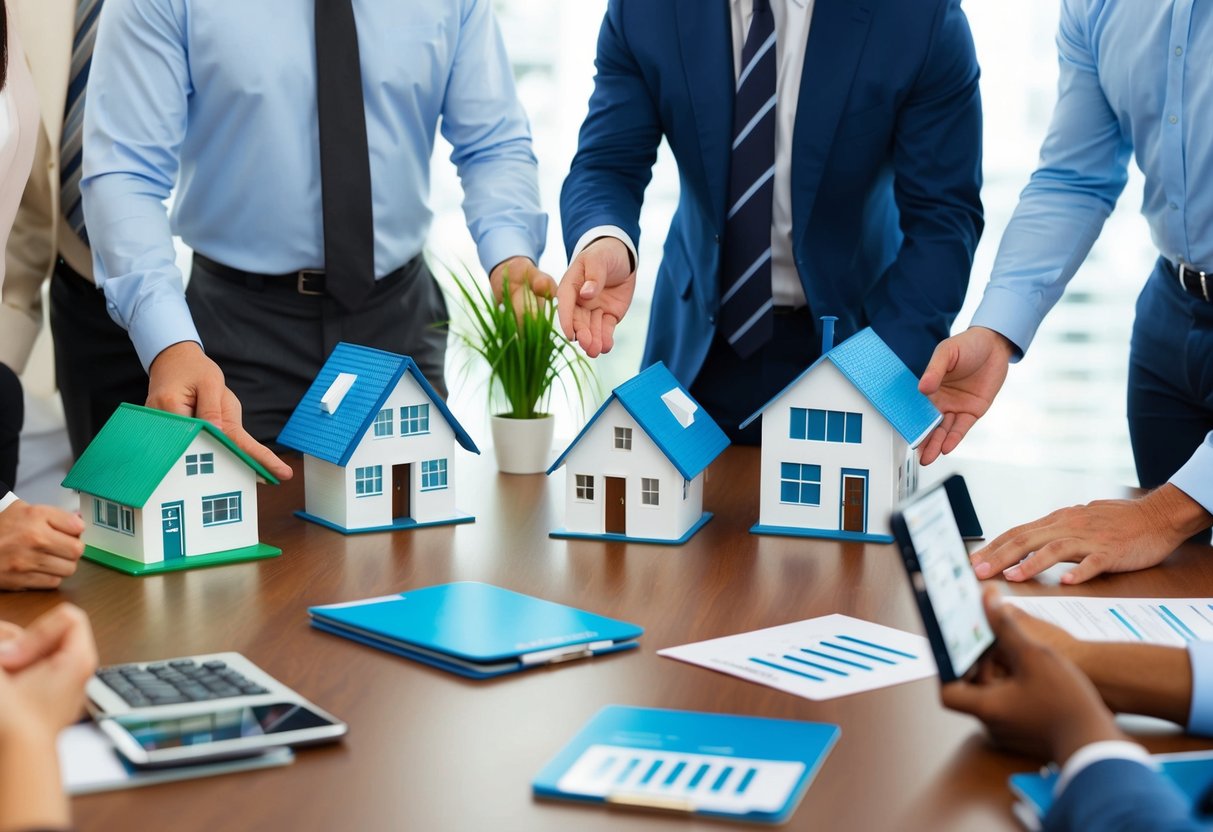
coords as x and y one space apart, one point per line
631 800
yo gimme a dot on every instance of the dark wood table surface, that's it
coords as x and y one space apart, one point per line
428 750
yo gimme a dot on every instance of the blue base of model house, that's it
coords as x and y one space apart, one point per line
397 525
827 534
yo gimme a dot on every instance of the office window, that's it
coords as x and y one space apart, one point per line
199 464
585 487
220 509
826 425
433 474
368 481
623 439
113 516
383 422
648 491
414 419
800 484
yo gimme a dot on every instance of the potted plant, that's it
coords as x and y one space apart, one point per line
527 355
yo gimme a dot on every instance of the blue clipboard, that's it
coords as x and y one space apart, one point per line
476 630
714 765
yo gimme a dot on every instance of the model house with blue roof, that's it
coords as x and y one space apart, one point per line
161 492
636 471
378 444
838 443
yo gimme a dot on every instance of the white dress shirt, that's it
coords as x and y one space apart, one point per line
792 18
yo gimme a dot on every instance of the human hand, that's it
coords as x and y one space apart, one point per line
522 273
43 669
1031 698
184 381
964 375
1103 536
39 546
595 293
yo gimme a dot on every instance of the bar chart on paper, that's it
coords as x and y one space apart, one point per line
1170 621
820 658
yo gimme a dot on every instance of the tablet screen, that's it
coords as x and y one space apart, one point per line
229 724
950 583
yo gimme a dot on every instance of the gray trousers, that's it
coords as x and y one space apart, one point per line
271 341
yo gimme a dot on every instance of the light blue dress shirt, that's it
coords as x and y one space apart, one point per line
218 97
1200 718
1136 79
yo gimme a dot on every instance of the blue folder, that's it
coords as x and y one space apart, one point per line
474 629
715 765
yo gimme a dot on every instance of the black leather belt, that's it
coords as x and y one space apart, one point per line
309 282
1197 283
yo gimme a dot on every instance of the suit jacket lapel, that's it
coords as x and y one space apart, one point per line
836 38
46 28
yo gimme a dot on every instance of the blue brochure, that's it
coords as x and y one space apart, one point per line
716 765
474 629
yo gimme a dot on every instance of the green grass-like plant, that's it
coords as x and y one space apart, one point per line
525 351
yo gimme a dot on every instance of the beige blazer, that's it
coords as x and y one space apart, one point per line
40 233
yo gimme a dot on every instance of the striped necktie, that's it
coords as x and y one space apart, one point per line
71 149
746 305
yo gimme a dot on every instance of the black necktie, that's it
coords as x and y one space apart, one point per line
345 166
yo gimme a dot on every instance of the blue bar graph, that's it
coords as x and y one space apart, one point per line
673 775
745 780
698 775
818 666
876 646
1175 624
648 775
1115 612
847 662
774 666
722 778
627 770
852 651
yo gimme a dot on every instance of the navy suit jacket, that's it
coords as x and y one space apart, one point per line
1120 796
886 164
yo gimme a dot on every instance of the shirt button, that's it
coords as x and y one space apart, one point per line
712 320
1173 119
1179 50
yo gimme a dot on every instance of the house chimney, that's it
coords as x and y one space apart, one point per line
827 333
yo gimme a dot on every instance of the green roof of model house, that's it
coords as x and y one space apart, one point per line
136 449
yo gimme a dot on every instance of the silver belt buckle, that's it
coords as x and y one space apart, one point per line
1204 279
302 280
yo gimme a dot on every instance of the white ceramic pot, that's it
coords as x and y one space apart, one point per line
523 446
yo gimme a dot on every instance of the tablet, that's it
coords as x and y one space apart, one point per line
947 591
165 739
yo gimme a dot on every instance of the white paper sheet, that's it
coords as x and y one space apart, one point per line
1171 621
820 658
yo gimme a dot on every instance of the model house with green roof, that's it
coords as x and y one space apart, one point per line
378 444
160 492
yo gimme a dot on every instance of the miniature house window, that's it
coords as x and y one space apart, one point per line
623 439
826 425
800 484
585 487
414 419
648 491
113 516
199 464
433 474
368 481
383 422
221 509
686 486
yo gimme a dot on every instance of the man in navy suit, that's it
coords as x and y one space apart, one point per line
829 153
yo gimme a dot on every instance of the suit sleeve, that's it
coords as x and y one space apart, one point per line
937 184
1120 796
618 142
31 248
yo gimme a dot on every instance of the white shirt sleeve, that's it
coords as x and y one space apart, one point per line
7 500
606 231
1096 752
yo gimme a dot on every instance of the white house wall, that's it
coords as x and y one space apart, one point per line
324 490
101 537
439 443
596 455
826 388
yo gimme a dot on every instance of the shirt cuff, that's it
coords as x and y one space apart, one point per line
1096 752
1200 713
1010 315
156 328
599 231
7 500
500 244
1195 478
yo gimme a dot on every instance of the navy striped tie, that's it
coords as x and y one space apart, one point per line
746 305
71 151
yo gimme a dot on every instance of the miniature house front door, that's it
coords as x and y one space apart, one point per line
854 500
173 526
616 505
401 478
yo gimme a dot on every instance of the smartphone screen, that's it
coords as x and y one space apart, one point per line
948 577
156 734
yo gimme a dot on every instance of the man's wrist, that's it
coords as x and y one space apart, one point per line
1174 513
175 349
1000 343
631 257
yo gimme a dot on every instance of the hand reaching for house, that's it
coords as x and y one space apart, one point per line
522 274
595 293
183 380
39 546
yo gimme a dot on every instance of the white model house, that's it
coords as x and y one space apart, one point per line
636 470
838 443
378 444
160 492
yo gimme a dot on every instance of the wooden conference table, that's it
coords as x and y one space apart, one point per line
431 751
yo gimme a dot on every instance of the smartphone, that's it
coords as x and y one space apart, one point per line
947 591
226 732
